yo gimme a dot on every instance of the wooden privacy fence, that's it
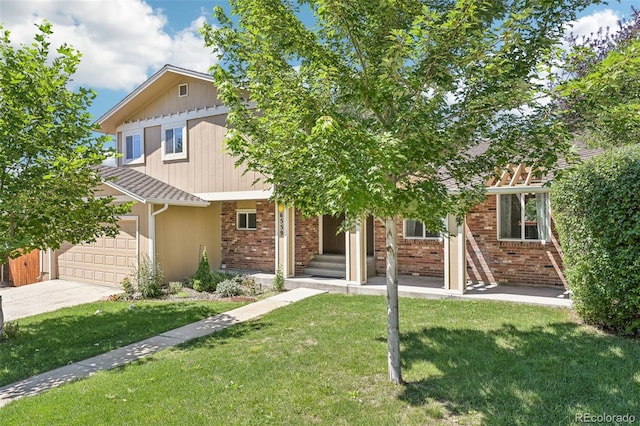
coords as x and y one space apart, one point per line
24 269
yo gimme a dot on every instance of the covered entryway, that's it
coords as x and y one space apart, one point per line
332 241
107 261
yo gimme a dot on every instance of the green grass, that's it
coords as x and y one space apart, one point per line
323 360
54 339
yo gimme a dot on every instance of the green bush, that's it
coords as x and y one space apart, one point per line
278 281
230 287
596 207
9 331
175 287
148 278
203 280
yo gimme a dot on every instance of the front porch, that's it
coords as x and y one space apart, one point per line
432 288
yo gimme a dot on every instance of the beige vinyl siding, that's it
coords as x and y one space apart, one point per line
214 168
202 94
181 235
207 168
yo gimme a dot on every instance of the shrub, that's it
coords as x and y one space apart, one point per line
9 331
128 287
230 287
251 287
596 207
203 280
148 278
278 281
175 287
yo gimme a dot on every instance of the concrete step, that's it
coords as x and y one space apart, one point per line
330 258
326 265
322 272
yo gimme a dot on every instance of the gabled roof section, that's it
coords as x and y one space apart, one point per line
145 189
166 76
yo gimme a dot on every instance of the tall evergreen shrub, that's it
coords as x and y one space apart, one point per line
596 207
203 280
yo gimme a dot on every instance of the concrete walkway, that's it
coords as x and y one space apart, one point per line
47 296
134 351
433 288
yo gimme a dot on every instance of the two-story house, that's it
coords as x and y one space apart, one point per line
188 194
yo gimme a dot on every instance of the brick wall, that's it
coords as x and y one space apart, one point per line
512 262
424 257
249 249
488 260
306 240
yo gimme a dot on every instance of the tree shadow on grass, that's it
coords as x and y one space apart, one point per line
539 376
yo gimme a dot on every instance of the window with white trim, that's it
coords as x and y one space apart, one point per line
174 141
133 147
246 219
183 90
415 229
524 217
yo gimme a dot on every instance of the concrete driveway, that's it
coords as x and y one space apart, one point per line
20 302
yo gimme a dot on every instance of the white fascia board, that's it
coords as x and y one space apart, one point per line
178 202
236 195
492 190
124 191
517 189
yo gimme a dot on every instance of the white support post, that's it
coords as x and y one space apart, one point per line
285 244
455 260
356 253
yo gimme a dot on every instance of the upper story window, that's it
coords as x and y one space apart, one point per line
416 229
524 217
133 147
246 219
183 90
174 141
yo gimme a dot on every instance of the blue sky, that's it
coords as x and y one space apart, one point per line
123 42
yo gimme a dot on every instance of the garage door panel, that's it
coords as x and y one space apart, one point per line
105 261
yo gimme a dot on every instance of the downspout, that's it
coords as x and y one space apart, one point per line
152 229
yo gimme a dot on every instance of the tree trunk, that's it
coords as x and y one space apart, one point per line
393 321
1 318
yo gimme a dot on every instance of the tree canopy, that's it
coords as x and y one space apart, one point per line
381 107
47 151
598 91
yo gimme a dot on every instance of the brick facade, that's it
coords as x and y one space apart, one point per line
423 257
512 262
249 249
306 242
488 260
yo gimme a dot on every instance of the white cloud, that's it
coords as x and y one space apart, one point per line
590 24
121 41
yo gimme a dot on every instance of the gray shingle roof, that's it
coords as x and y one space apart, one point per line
145 189
582 152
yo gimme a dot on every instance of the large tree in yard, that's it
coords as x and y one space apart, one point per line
373 107
47 152
598 84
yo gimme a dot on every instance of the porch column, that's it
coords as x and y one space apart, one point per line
285 240
455 258
356 253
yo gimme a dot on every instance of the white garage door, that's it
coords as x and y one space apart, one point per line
106 261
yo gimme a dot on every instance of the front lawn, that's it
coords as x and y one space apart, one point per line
58 338
323 360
